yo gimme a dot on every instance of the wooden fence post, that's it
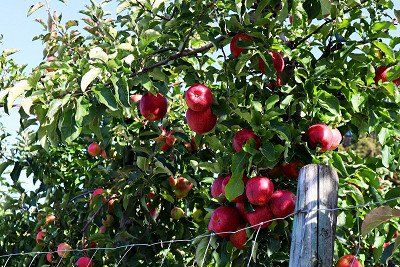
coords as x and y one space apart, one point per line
314 225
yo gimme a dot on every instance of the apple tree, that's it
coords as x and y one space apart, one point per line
156 135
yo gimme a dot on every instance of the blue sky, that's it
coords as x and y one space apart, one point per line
18 31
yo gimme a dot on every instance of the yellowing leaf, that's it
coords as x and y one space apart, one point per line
89 77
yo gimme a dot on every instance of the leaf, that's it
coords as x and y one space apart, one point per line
149 36
325 7
386 156
385 49
271 101
98 53
121 88
397 14
312 8
235 186
201 250
106 97
243 59
380 25
89 77
339 165
14 92
142 163
15 173
378 216
329 102
26 104
389 251
67 125
34 8
4 165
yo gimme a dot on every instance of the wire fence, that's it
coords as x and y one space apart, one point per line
128 247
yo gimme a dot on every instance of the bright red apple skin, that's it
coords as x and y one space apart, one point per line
397 82
282 203
319 135
337 139
39 236
49 257
381 74
261 216
153 107
291 169
236 50
239 238
84 262
240 198
201 122
224 219
242 136
94 149
199 97
348 261
277 59
63 250
216 187
259 190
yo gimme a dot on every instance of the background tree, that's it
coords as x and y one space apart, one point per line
295 64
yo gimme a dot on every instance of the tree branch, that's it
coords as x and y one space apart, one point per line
325 23
184 53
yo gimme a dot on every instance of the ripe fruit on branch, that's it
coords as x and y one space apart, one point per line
282 203
39 236
239 238
240 206
94 149
183 184
277 59
49 257
319 135
381 74
260 217
177 213
172 181
63 250
102 229
242 136
259 190
153 107
201 122
84 262
199 97
97 193
240 198
236 50
49 219
224 219
336 139
216 188
348 261
291 169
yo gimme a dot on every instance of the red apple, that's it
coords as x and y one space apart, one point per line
63 250
103 154
260 217
154 213
277 59
336 139
153 107
199 97
135 98
240 198
180 194
39 236
259 190
183 184
49 257
240 206
102 229
224 219
397 82
291 169
94 149
172 181
49 219
236 50
216 188
201 122
239 238
348 261
381 74
242 136
84 262
177 213
319 135
282 203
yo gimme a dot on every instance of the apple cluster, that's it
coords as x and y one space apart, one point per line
257 206
200 116
322 136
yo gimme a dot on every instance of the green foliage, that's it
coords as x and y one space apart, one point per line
81 91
